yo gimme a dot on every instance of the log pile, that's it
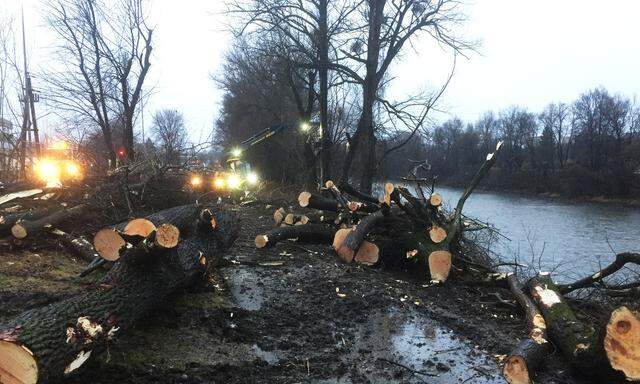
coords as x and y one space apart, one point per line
608 350
399 228
156 256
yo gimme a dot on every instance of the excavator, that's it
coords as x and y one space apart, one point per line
238 175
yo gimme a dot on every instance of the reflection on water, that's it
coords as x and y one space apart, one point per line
578 236
401 339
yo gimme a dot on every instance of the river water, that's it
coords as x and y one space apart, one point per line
554 234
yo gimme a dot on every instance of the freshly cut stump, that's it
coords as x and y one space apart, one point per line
139 227
439 265
622 342
108 243
388 190
338 239
368 253
279 215
167 236
437 234
435 200
515 370
17 365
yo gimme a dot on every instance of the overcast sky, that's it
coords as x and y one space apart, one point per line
531 53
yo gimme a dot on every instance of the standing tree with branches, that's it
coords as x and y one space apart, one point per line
105 54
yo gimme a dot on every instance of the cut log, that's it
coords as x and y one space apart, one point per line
439 265
338 239
308 233
167 236
525 359
109 244
25 228
312 200
17 363
435 200
437 234
63 335
350 245
79 246
7 221
368 253
388 190
293 218
321 217
278 215
342 201
137 229
622 342
574 339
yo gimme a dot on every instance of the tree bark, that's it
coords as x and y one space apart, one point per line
526 357
26 228
308 233
61 336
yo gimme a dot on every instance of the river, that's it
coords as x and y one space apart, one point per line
571 238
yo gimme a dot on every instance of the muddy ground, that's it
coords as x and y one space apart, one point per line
291 314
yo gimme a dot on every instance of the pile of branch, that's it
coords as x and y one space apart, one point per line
154 257
608 351
399 228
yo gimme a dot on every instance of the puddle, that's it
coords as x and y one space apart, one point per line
246 289
407 341
271 357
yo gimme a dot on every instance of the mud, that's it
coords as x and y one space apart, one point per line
293 314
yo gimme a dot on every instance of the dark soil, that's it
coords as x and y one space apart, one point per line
292 314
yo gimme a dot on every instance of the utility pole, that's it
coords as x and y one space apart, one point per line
29 122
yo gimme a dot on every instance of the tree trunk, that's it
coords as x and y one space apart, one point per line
525 359
323 53
308 233
26 228
57 339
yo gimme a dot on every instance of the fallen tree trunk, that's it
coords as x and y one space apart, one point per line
573 338
609 352
347 249
23 229
309 233
8 221
526 357
312 200
53 341
79 246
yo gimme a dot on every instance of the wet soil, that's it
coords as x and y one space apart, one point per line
291 314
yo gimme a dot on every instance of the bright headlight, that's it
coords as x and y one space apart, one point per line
252 178
195 181
48 170
234 181
218 183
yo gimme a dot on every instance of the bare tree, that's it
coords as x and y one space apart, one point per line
308 31
105 55
169 129
388 27
11 85
555 117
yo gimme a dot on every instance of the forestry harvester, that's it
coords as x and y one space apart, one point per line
238 175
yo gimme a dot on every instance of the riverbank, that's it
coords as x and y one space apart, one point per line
293 314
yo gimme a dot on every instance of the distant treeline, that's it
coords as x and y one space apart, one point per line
590 147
